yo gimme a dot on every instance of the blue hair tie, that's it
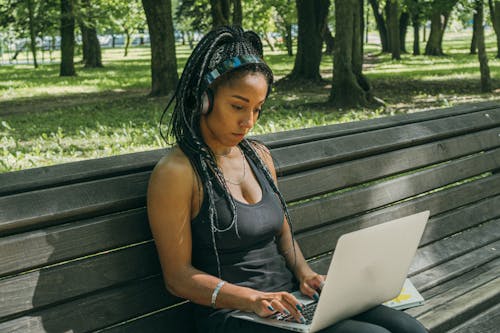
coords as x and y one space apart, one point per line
231 64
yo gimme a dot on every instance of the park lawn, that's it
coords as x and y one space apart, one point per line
45 119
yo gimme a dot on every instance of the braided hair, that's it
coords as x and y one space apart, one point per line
214 50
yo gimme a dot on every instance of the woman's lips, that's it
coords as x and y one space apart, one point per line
240 136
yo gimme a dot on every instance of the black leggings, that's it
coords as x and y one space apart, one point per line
380 319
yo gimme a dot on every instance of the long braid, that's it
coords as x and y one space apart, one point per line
249 147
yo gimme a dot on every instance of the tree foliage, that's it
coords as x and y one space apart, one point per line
29 20
125 17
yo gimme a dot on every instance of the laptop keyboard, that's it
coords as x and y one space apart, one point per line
308 312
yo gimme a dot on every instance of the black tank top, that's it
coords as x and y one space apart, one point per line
252 259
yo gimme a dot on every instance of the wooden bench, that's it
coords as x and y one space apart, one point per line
77 254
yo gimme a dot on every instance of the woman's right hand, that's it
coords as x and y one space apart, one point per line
265 304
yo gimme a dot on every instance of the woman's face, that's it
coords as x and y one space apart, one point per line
237 104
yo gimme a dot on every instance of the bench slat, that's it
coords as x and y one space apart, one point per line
178 319
439 267
58 205
51 245
460 219
95 311
77 172
323 180
452 313
318 212
486 322
449 248
289 138
62 282
319 241
324 152
453 288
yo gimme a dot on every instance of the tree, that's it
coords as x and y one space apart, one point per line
312 17
237 13
191 16
495 20
221 12
91 48
28 19
381 26
31 20
394 36
475 23
404 20
350 88
163 60
67 38
286 15
415 9
481 48
259 17
123 16
440 14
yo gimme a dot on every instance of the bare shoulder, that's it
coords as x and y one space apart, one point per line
173 171
264 153
175 162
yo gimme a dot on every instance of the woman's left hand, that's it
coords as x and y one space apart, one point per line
311 284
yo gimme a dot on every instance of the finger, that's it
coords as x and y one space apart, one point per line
294 306
268 308
280 307
322 284
316 282
307 290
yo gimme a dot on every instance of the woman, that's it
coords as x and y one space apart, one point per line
220 224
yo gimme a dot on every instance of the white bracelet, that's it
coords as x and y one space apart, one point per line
216 292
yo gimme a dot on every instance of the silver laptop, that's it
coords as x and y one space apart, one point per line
369 267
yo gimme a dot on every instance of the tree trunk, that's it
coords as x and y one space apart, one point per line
163 60
440 12
288 39
312 17
403 29
473 42
357 48
433 46
481 48
67 38
91 48
85 41
495 20
393 23
31 19
416 35
220 10
127 41
237 13
329 40
268 41
346 88
381 26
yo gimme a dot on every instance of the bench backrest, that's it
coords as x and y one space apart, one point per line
76 249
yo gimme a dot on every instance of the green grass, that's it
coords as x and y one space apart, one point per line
45 119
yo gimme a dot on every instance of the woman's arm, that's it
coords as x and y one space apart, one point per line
170 204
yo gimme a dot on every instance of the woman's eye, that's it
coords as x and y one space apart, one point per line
237 107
